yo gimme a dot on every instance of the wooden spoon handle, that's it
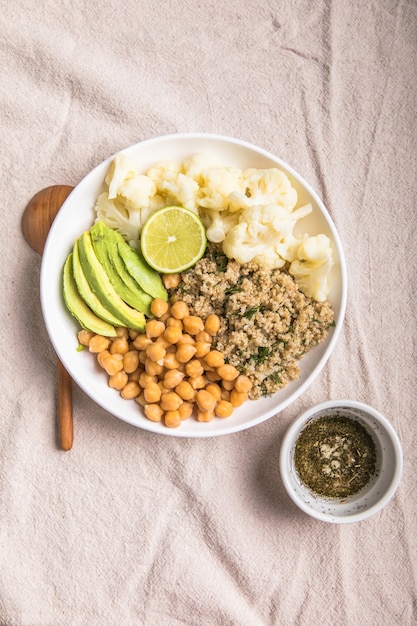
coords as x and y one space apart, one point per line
65 422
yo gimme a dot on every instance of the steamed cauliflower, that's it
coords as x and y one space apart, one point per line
172 184
264 234
265 186
250 212
312 267
218 184
218 223
115 215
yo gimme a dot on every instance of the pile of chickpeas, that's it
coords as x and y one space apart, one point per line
171 369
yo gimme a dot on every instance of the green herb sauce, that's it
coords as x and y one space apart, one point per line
335 456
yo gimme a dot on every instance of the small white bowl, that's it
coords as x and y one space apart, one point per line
371 498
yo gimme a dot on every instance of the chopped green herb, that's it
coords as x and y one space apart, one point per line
335 456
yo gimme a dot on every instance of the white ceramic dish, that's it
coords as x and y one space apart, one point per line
77 215
375 495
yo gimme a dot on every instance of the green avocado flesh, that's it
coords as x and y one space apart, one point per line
76 305
106 244
101 285
87 294
148 279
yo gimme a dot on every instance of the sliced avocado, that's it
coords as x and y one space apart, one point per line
105 246
78 308
87 294
102 287
148 279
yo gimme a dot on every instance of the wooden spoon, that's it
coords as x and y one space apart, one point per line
36 222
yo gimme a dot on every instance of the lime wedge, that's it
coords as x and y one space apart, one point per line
173 239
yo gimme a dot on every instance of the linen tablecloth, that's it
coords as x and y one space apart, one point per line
132 528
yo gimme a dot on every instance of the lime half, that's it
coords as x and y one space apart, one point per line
173 239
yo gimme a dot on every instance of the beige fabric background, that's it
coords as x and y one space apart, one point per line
134 529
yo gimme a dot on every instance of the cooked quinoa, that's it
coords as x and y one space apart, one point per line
267 323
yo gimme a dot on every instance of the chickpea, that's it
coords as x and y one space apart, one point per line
131 361
119 346
185 352
205 400
215 390
172 419
243 383
156 352
199 382
122 331
237 398
194 368
193 324
142 342
133 334
225 395
98 343
205 416
113 363
142 357
135 375
84 337
159 307
212 376
130 391
228 384
140 399
173 334
101 356
179 310
154 328
172 321
153 368
202 348
204 336
170 401
212 324
170 361
171 281
146 379
118 380
173 378
186 338
153 412
186 410
228 372
185 390
214 358
162 341
152 393
224 409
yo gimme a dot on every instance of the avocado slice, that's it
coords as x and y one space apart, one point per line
105 240
87 294
148 278
78 308
102 287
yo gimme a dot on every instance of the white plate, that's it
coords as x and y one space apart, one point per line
77 215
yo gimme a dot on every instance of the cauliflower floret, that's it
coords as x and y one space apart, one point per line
122 168
265 234
218 184
128 222
196 165
312 267
173 185
218 223
265 186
